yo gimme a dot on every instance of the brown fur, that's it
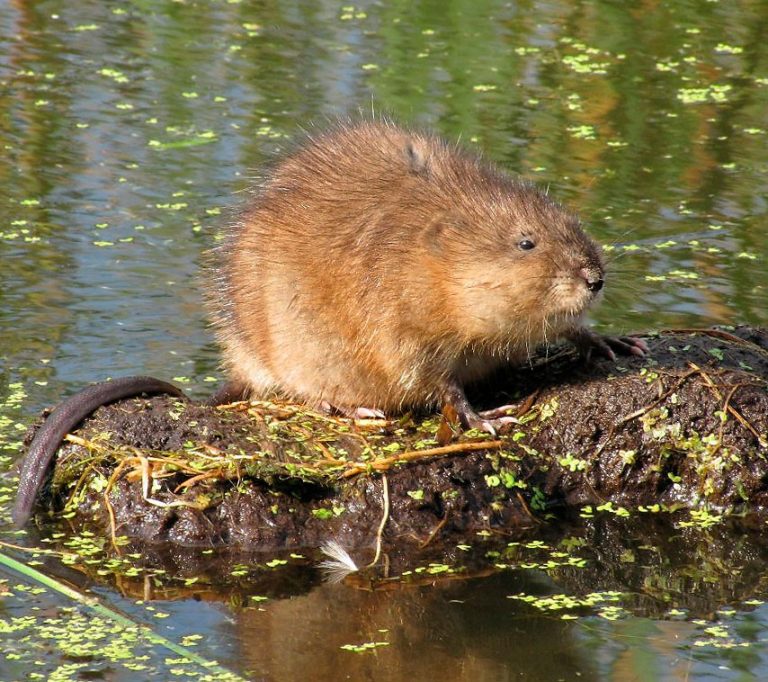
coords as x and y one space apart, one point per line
381 267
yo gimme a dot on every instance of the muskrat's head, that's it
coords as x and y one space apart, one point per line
519 268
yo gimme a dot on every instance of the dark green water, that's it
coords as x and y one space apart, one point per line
128 128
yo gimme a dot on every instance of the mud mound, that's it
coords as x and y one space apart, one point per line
685 427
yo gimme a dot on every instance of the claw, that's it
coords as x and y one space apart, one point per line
501 413
366 413
469 419
488 427
351 412
587 341
638 346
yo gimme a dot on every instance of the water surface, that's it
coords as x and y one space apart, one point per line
128 130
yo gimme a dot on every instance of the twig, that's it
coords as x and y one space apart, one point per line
108 504
384 518
35 550
196 479
662 397
718 334
434 531
527 509
384 464
722 421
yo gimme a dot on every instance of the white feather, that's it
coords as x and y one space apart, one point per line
339 564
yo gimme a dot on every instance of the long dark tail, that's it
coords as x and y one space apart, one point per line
37 461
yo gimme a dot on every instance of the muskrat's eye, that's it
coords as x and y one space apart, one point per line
525 244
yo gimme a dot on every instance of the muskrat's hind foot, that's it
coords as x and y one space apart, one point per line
504 414
454 396
492 421
351 412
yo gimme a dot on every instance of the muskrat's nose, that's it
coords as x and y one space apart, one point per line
593 277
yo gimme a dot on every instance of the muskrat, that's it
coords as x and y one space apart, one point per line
376 269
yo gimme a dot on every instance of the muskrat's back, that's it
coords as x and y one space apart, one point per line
380 267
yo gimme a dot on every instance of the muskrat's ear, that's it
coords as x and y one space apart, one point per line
417 155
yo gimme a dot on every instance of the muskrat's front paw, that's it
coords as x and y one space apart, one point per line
628 345
625 345
588 342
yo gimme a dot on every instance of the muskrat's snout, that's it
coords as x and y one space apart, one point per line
593 276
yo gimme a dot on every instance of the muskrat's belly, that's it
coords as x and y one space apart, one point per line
311 352
313 374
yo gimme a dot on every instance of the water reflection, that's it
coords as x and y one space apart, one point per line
455 631
644 601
